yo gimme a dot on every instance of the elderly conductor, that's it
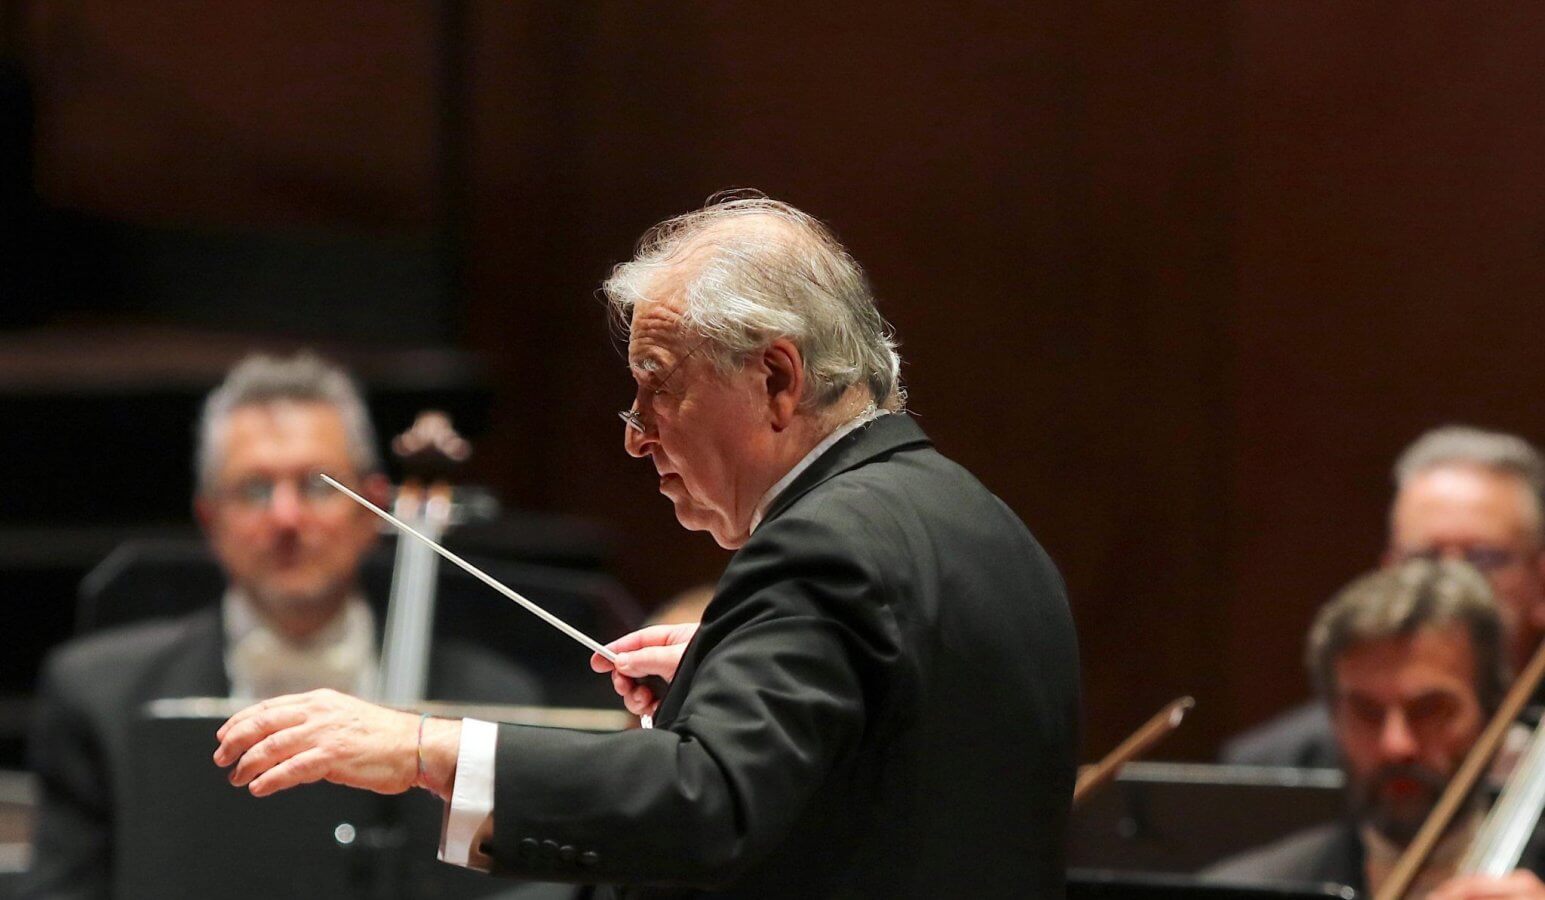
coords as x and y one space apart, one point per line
882 698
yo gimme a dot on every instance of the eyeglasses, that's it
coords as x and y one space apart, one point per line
257 492
632 415
1485 559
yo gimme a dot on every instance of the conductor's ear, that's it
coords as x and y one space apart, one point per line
785 381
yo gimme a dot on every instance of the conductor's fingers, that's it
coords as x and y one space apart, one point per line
302 768
257 708
661 661
640 701
240 737
269 752
653 636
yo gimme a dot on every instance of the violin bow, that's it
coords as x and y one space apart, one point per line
1400 878
1165 721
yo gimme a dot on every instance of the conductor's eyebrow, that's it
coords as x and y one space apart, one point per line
647 363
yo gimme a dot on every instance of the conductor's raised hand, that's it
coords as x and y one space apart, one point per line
327 736
655 650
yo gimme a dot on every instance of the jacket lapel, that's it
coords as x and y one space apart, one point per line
882 437
198 670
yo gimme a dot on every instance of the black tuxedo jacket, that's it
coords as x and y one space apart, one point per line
91 689
1325 854
882 701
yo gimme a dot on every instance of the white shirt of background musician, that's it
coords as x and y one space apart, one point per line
263 663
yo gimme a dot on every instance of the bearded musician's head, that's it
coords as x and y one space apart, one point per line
1411 662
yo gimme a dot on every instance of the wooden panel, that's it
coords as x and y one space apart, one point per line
1390 261
1052 260
240 112
1176 280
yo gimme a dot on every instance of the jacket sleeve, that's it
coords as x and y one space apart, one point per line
772 698
72 837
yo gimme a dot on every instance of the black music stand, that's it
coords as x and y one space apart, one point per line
1181 817
1105 885
183 831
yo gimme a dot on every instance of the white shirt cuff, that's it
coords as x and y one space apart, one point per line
472 795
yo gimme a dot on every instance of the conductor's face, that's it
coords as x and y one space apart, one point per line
290 542
1406 712
703 429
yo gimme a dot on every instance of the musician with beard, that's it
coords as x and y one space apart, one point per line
1410 662
1460 493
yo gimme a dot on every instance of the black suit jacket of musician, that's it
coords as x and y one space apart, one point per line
882 700
92 687
1332 853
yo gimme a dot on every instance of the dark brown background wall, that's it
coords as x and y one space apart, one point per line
1176 280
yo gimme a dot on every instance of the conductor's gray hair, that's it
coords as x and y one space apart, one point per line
1461 445
262 379
765 270
1397 602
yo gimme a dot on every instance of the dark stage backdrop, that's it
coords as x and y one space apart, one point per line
1176 280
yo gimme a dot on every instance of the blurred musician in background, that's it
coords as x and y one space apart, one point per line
292 618
882 697
1411 662
1461 493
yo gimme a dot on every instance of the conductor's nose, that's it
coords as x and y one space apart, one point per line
637 438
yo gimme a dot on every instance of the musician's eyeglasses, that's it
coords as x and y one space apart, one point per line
257 492
633 416
1485 559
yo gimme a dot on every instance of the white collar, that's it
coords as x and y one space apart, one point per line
241 617
347 643
866 415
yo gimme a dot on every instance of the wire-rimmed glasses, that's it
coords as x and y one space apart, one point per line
632 416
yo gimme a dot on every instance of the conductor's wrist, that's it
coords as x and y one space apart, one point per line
438 745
